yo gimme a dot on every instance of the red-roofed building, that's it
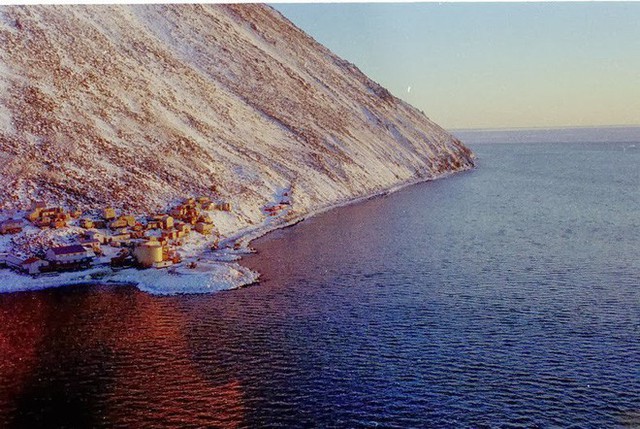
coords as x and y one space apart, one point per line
33 265
11 226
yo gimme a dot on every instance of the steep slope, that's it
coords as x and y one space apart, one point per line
138 106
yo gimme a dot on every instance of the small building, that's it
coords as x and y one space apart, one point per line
33 265
191 219
52 212
58 224
86 223
96 235
183 229
121 237
130 220
167 222
33 215
178 212
34 212
204 228
123 259
43 223
11 226
224 207
88 243
137 234
205 219
10 260
109 213
73 254
48 212
118 223
154 224
169 235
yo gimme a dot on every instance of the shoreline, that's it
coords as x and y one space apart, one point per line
221 274
246 237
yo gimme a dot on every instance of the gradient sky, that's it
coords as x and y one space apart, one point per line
492 65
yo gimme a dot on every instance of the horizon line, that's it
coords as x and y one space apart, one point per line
541 128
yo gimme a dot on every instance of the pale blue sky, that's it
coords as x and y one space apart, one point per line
491 65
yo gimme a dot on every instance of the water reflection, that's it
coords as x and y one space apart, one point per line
95 355
490 299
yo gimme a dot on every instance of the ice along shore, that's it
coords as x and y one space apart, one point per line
208 262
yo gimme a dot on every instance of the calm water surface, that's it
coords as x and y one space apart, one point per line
504 297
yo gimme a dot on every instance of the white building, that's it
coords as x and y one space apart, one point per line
10 260
33 265
97 235
10 226
74 253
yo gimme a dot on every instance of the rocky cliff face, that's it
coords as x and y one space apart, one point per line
139 106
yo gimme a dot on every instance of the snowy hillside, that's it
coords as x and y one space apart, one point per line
140 106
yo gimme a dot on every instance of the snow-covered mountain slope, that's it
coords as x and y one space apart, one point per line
140 106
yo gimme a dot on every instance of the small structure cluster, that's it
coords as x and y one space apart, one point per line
51 217
189 213
56 259
151 241
11 226
279 206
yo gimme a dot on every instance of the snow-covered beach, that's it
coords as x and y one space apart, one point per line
202 271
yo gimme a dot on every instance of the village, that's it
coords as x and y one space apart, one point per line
120 240
113 238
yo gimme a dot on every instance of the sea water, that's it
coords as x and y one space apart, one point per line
508 296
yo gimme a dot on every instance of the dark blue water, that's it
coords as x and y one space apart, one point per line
504 297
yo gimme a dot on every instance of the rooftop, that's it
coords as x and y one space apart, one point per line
65 250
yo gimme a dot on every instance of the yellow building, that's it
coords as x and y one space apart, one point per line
149 253
204 228
130 220
34 215
109 213
167 222
225 207
86 223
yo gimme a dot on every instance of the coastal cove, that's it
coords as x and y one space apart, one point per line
213 269
506 295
